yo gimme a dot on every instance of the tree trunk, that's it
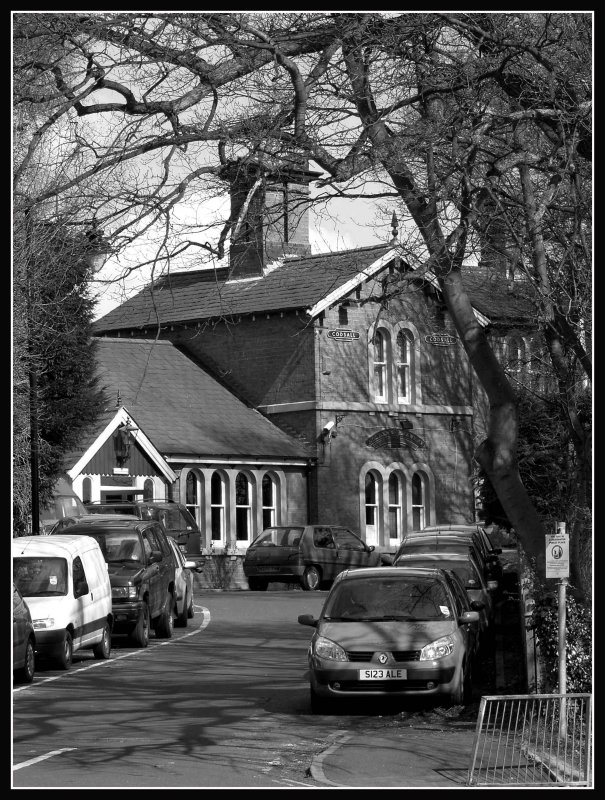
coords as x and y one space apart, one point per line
497 454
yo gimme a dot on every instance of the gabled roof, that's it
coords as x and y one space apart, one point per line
310 284
182 409
297 283
78 460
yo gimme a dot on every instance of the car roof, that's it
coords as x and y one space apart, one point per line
112 522
49 545
369 572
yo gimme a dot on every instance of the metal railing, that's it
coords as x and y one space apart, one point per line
533 740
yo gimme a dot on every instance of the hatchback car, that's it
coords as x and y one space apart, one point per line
24 640
175 517
183 585
311 555
468 570
393 632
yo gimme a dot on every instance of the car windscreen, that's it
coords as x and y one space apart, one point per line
117 545
388 598
40 576
175 519
279 537
464 568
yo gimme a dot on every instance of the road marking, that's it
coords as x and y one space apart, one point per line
317 771
107 662
42 758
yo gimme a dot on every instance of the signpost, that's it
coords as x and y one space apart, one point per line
557 566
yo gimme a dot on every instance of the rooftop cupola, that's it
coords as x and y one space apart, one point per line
269 211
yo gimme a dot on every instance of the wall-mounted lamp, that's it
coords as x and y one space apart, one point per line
405 425
98 249
122 440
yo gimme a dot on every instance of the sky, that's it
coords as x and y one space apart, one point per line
348 224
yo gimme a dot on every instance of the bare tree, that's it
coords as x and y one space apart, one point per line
453 116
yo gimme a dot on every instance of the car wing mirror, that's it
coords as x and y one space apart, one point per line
386 559
155 556
370 548
468 617
308 619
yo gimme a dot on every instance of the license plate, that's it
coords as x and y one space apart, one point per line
383 674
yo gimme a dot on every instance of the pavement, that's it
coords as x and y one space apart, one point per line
432 749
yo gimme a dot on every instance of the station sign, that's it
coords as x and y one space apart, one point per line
343 335
440 339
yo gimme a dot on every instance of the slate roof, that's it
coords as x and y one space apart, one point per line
203 294
297 283
181 408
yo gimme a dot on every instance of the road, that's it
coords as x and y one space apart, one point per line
224 703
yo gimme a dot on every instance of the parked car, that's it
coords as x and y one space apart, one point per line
393 632
311 555
468 570
65 583
141 570
64 503
175 517
491 552
449 543
183 585
24 640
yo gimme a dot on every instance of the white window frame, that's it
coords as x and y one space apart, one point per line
270 509
247 508
380 366
420 508
395 507
195 509
404 367
220 507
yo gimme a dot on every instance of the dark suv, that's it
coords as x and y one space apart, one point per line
175 517
141 571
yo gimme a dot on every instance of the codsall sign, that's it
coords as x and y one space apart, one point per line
343 335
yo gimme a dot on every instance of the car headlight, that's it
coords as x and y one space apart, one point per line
43 624
124 592
438 649
325 648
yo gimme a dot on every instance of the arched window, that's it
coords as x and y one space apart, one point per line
395 507
420 511
217 507
86 490
269 496
380 365
243 509
404 371
192 496
148 489
371 507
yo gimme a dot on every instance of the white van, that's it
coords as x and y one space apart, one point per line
65 583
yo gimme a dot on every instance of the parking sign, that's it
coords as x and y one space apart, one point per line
557 554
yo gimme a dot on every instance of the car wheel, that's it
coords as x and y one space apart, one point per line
190 608
140 634
65 652
311 579
258 584
320 705
163 628
103 648
183 616
457 695
26 673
